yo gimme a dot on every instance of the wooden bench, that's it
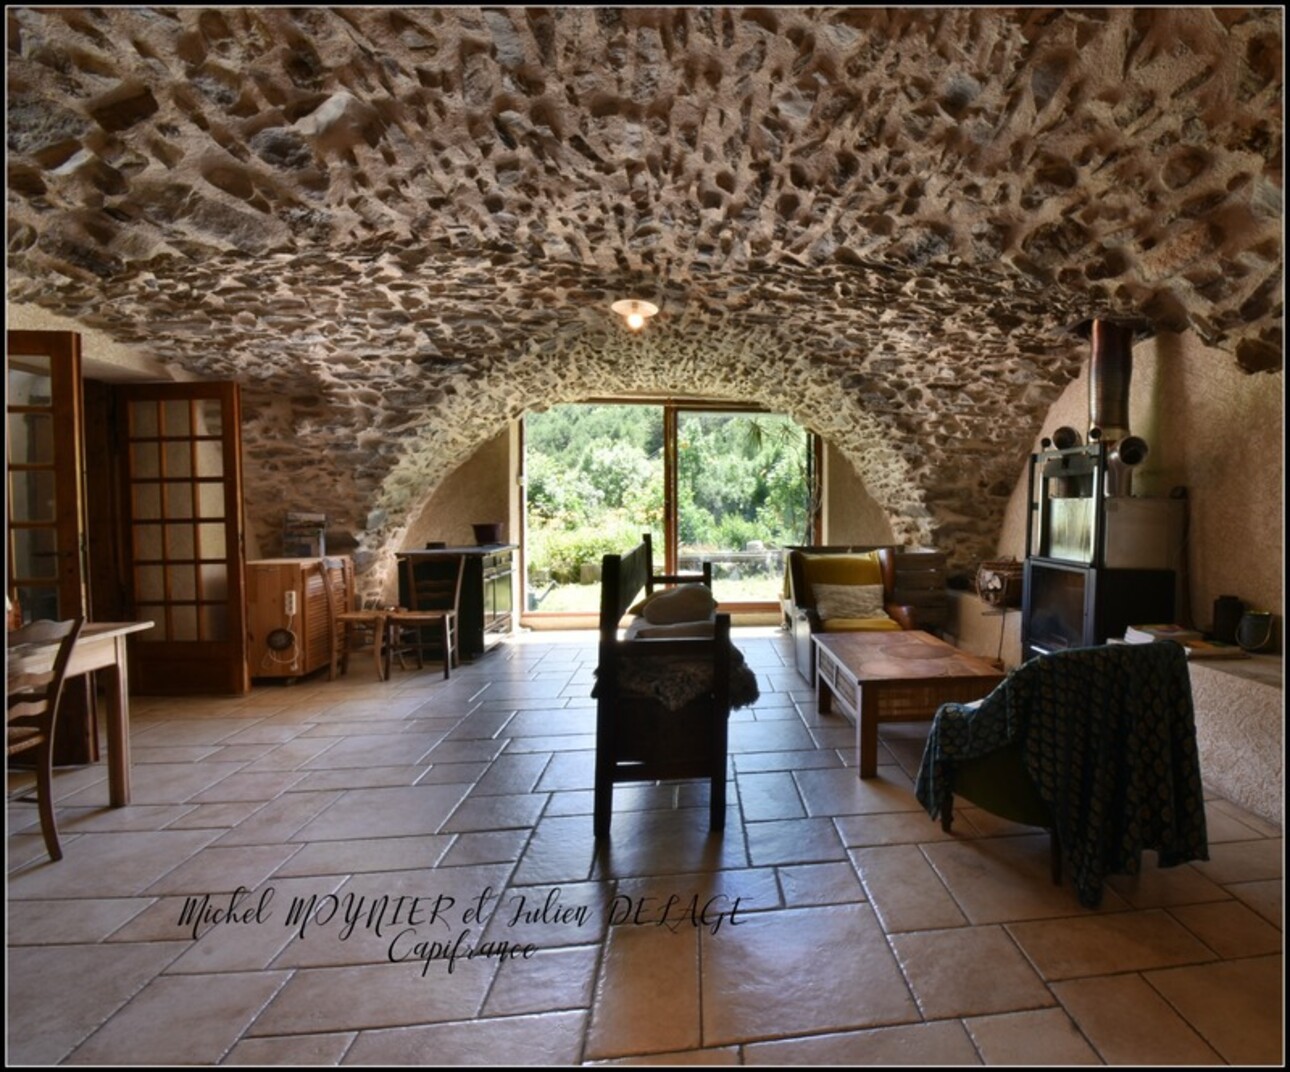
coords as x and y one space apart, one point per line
639 737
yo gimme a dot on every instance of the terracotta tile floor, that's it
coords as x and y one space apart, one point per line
836 924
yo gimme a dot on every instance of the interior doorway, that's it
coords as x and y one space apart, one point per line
727 484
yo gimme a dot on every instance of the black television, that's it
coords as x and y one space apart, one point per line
1065 605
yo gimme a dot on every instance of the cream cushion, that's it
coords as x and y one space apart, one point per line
848 601
641 629
684 603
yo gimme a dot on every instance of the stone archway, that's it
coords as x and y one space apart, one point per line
614 364
930 392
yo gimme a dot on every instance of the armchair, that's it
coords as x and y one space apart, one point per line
828 572
1097 745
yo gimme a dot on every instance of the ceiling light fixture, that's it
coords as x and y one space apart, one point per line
634 312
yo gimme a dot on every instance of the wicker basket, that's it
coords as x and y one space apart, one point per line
998 582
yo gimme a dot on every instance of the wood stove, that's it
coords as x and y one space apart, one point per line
1098 559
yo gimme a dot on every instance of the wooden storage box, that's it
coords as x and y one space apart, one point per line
290 627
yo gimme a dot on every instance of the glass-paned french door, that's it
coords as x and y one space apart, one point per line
725 485
743 493
183 505
46 515
593 482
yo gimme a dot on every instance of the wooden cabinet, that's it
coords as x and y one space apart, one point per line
486 611
290 627
918 581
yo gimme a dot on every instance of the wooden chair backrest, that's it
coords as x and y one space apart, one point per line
435 589
37 694
653 578
622 577
338 584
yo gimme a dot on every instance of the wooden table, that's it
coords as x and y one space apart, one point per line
102 647
897 676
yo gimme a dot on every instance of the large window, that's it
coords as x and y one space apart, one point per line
728 486
743 493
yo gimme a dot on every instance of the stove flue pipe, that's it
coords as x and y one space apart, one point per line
1109 376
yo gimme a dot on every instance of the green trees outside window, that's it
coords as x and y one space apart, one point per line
596 481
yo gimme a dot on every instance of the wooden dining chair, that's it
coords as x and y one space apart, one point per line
338 587
32 710
434 606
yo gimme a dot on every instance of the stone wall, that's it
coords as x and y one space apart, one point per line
850 513
399 228
476 491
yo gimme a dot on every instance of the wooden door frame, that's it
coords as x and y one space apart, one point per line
63 348
76 740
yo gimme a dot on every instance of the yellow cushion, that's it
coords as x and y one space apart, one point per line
858 625
860 568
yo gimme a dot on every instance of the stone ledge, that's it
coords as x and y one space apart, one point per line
1267 669
1240 724
1240 730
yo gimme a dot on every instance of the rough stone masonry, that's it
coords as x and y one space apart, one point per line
398 228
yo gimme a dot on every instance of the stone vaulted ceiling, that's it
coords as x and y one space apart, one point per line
399 228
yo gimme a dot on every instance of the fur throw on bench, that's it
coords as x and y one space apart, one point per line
687 611
676 680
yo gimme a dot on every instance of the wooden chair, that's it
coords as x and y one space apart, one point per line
338 587
365 628
32 710
352 628
434 602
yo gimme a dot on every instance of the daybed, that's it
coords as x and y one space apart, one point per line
664 686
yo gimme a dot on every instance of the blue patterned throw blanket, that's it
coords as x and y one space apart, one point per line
1108 736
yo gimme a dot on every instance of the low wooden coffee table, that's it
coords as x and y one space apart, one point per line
897 676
